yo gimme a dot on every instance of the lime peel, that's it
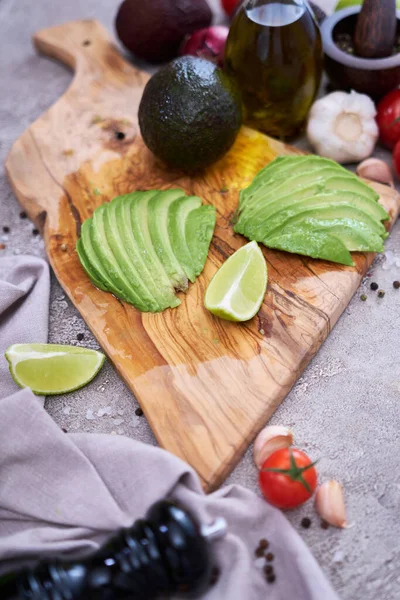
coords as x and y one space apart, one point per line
50 369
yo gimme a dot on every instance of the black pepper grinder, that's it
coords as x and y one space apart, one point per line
167 553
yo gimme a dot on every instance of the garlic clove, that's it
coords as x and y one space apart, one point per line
329 502
376 170
270 439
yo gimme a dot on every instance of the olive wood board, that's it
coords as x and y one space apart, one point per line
206 386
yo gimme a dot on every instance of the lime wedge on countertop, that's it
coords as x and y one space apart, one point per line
237 290
51 368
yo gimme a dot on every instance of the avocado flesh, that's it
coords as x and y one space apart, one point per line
311 196
327 178
158 208
177 217
272 195
97 268
283 168
319 245
121 282
149 271
88 267
304 196
136 213
124 249
356 236
321 212
200 227
267 221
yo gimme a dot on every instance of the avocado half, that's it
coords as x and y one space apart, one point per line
312 206
190 113
144 246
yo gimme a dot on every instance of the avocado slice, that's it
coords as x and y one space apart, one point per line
122 245
178 214
97 269
275 214
318 245
356 236
200 227
278 170
328 178
137 215
344 210
90 270
318 180
150 272
118 275
158 211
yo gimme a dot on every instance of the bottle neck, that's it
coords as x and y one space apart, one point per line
259 3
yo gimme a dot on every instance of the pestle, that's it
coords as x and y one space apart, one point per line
375 32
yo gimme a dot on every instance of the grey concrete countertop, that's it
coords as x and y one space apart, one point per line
345 408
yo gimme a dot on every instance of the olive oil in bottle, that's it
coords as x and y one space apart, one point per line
274 51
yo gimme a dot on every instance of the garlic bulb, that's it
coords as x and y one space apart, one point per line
342 126
376 170
329 502
271 438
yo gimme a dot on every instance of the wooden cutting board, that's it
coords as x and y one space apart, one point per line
206 386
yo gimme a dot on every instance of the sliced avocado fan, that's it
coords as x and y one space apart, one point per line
144 246
311 205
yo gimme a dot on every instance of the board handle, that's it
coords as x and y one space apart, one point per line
87 48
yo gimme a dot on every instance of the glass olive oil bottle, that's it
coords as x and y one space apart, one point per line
274 51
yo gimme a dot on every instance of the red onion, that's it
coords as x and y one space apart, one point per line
208 43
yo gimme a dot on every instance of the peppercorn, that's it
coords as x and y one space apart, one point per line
264 544
138 412
6 229
396 285
363 297
270 557
306 523
271 578
374 286
80 337
35 231
381 293
23 215
268 569
324 525
2 246
64 430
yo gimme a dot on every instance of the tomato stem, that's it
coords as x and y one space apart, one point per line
295 473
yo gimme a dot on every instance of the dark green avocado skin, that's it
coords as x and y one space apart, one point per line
190 113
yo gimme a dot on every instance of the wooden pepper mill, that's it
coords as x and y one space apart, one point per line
376 26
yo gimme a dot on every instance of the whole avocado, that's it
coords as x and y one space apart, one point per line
154 29
190 113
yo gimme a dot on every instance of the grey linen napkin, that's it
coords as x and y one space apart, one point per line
66 493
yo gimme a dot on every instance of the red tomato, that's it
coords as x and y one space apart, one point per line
396 158
288 478
229 6
388 119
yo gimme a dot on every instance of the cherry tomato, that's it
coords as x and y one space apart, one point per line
288 478
396 158
388 119
229 6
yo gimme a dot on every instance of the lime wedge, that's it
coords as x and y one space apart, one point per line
52 369
237 290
